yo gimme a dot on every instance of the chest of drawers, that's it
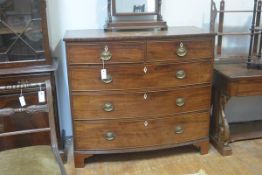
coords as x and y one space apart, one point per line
156 93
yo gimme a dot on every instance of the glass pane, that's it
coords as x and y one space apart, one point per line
7 39
20 30
21 52
33 37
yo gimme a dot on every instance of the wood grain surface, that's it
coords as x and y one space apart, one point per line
135 133
165 50
158 76
89 106
90 53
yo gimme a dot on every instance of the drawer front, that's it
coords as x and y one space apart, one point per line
118 52
135 76
175 75
122 77
250 87
91 106
179 50
121 134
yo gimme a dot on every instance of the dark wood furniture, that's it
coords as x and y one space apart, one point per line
129 15
24 58
232 78
24 160
23 34
9 98
156 94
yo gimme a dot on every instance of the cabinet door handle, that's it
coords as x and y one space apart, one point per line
179 130
180 102
181 74
108 80
108 107
110 136
181 51
105 54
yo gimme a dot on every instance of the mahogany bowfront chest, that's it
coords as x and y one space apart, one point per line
139 90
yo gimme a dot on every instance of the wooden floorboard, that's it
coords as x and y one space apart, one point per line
246 160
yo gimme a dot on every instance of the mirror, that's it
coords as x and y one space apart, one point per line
135 7
134 15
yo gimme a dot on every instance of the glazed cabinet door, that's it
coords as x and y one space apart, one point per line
23 33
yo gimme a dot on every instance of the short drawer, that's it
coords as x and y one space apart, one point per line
124 134
92 106
115 52
180 50
139 76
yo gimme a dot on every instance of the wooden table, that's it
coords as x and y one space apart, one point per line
233 80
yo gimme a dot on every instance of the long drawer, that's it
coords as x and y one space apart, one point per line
120 52
179 50
122 134
94 105
140 76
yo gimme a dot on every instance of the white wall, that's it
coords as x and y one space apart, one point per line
91 14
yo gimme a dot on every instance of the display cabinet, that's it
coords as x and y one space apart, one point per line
23 33
24 59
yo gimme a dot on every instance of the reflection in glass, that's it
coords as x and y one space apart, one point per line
135 6
20 30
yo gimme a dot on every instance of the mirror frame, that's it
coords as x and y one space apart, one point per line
135 23
114 11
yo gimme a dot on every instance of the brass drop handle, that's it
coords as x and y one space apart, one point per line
110 136
181 74
181 51
108 107
108 80
179 130
105 54
180 102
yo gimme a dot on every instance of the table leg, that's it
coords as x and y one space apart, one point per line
220 131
